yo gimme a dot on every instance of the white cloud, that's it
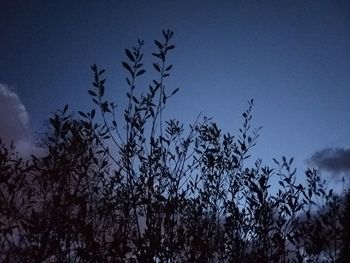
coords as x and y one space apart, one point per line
14 119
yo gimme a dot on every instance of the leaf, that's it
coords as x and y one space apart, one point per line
65 109
82 114
104 107
159 45
129 54
102 91
156 66
126 65
92 113
169 68
156 55
170 47
92 93
174 92
94 67
165 34
138 65
140 72
135 100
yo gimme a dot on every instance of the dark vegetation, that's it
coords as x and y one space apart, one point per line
149 190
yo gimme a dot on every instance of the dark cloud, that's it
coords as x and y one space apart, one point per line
335 160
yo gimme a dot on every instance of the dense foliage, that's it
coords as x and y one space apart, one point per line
150 190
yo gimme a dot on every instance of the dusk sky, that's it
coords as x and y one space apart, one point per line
291 57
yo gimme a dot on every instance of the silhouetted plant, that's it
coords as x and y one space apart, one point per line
345 223
147 189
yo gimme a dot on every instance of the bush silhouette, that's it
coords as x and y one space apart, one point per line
147 189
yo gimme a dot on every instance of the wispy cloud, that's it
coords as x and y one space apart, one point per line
334 160
14 119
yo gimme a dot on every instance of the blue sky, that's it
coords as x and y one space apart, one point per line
291 57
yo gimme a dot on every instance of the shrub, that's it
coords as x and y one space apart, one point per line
147 189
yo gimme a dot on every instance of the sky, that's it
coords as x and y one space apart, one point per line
291 57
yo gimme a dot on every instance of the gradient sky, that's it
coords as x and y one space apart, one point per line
291 57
